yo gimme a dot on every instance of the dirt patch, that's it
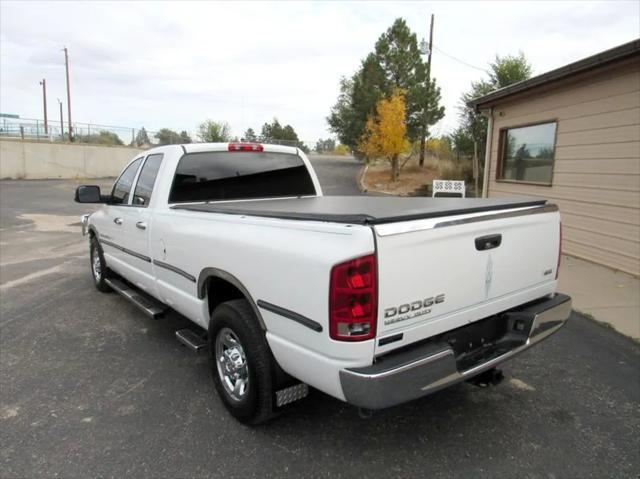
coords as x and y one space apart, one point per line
521 385
416 180
47 223
412 178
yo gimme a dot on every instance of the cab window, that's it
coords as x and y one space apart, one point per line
122 187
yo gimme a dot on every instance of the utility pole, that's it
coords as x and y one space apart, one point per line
44 104
66 65
61 121
423 138
476 169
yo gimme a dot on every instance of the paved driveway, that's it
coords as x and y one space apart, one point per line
90 387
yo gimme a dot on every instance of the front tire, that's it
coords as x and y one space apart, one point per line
99 269
241 362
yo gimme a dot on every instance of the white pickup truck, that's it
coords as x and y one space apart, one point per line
372 300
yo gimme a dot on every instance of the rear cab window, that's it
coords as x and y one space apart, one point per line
224 175
146 180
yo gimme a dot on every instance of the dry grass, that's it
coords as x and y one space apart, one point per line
413 178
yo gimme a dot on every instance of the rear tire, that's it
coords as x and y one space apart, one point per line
240 362
99 271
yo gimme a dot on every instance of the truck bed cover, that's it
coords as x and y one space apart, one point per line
363 210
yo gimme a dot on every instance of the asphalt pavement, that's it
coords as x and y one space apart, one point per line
89 387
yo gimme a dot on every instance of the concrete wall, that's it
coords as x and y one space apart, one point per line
42 160
596 170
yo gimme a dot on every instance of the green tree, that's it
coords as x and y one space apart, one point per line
142 138
432 112
342 118
395 63
250 135
399 58
461 143
357 100
503 71
184 137
166 136
210 131
325 146
274 132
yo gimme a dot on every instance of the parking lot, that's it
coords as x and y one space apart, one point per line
90 387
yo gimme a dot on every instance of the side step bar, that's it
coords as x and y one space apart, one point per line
191 340
149 305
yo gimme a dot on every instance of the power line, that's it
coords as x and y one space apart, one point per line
460 61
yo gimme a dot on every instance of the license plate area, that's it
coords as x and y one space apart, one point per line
486 339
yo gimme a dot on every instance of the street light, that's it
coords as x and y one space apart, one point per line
66 67
44 103
61 121
424 47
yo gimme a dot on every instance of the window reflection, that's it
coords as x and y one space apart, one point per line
528 153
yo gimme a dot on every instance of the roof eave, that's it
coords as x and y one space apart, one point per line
601 59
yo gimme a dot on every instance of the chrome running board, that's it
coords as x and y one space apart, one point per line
191 340
147 304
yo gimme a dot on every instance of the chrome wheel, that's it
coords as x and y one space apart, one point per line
232 365
96 265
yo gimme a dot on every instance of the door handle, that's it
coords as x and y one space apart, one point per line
118 221
141 225
488 242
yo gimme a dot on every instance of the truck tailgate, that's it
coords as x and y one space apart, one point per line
439 274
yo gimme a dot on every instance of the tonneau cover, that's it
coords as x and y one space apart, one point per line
364 210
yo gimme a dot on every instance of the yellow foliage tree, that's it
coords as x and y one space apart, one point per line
386 133
341 150
439 148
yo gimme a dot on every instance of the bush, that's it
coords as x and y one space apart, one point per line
456 170
341 150
102 138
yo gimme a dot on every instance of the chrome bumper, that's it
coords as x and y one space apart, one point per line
401 377
84 221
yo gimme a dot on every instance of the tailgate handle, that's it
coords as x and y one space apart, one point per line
488 242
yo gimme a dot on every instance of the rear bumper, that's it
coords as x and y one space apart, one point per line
426 368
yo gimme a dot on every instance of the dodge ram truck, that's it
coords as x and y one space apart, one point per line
373 300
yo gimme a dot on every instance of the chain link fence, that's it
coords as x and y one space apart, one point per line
31 129
93 133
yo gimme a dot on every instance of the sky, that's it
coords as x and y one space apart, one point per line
175 64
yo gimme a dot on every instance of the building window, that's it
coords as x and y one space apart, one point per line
527 153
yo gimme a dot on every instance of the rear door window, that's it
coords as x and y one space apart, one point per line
146 180
122 187
222 175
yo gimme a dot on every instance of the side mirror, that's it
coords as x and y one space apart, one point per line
88 194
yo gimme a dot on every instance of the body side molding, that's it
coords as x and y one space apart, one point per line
173 269
125 250
286 313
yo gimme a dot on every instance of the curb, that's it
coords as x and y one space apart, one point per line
360 179
363 189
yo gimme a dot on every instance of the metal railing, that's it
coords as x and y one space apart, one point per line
32 129
93 133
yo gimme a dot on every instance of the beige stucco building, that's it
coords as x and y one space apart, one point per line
572 136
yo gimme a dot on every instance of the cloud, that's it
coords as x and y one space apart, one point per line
173 64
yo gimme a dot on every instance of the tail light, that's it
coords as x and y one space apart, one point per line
246 147
559 253
353 298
